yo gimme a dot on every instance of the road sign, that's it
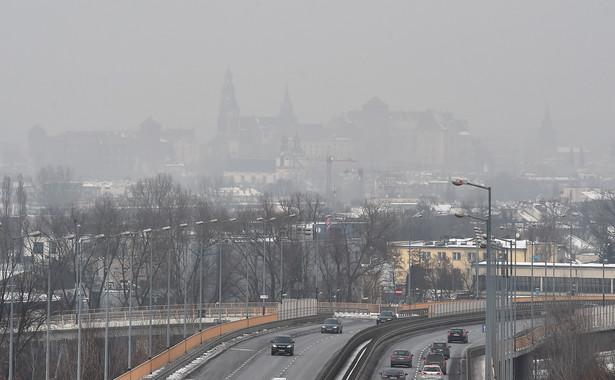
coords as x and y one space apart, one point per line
398 292
264 296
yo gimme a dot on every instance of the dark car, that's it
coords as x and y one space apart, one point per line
283 344
441 348
439 359
386 316
332 325
401 357
457 335
392 373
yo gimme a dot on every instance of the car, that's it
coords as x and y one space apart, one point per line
442 348
393 373
401 357
435 358
457 335
283 344
386 316
432 372
332 325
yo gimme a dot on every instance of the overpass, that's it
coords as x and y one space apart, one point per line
233 318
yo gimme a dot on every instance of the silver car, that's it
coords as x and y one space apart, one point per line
432 372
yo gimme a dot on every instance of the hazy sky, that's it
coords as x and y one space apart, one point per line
69 65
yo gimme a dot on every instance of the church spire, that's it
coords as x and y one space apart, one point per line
286 117
546 135
228 113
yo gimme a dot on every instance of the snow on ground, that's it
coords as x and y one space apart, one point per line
215 351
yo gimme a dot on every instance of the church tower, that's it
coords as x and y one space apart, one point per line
286 117
228 113
547 137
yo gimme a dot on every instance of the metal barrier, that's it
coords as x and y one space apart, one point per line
181 348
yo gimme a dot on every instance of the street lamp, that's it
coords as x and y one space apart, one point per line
49 300
316 231
79 275
490 307
478 240
31 234
264 293
148 231
282 257
168 228
604 262
409 282
200 224
128 233
220 276
106 287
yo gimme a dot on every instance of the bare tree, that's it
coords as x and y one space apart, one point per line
357 245
567 351
54 187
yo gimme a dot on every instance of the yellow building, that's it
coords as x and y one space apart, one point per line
462 254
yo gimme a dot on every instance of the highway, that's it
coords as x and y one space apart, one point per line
419 346
252 359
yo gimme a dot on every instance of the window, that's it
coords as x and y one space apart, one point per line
456 256
427 255
38 247
471 256
441 255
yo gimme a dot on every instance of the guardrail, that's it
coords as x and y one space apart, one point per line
436 313
364 362
181 348
289 307
210 312
465 312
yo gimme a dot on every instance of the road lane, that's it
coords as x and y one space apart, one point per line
419 346
252 359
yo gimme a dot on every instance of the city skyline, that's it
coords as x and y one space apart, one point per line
501 67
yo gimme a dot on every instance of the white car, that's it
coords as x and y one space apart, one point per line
431 372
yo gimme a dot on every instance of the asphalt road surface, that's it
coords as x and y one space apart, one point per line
252 359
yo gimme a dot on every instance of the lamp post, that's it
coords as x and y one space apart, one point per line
105 276
490 338
200 224
78 299
409 282
264 293
79 255
604 262
316 232
49 301
571 259
47 347
220 276
12 284
282 258
148 231
478 240
128 233
168 228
